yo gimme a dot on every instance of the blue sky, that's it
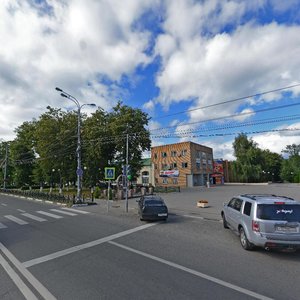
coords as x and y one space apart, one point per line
170 58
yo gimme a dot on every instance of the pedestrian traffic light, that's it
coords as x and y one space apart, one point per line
128 173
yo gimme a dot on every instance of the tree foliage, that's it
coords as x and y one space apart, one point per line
45 150
254 164
291 166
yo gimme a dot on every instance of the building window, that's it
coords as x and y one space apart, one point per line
184 152
164 166
198 154
175 181
164 154
145 177
165 181
173 153
184 165
155 155
173 165
198 165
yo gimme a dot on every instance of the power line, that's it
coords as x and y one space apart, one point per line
228 101
229 116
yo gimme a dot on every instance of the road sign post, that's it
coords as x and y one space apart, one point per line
110 174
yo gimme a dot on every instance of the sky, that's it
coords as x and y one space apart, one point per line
204 71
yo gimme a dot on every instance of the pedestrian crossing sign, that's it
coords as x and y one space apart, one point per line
110 173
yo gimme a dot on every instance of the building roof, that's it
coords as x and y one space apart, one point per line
146 161
187 142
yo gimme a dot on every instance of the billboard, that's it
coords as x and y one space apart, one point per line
169 173
218 167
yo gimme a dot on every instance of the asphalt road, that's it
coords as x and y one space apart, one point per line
49 252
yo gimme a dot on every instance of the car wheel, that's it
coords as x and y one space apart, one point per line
225 225
244 240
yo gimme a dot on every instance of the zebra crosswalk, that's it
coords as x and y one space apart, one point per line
24 218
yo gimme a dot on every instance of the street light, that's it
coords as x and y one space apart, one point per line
79 171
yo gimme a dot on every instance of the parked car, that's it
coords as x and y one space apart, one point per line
267 221
152 208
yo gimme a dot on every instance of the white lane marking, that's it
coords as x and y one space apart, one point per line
34 217
57 254
3 204
16 220
31 279
63 212
49 214
27 293
194 217
194 272
21 210
2 226
76 210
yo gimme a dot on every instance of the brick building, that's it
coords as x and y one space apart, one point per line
183 164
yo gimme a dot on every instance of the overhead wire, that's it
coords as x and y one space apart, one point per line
229 101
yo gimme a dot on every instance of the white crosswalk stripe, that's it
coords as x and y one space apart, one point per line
16 220
2 226
34 217
63 212
49 214
75 210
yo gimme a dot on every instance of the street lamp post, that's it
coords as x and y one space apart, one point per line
79 171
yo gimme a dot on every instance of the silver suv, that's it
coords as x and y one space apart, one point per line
267 221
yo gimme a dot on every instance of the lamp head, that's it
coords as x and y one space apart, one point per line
58 89
64 95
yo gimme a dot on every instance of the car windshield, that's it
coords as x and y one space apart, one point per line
154 202
279 212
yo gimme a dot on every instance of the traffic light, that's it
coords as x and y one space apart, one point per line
128 173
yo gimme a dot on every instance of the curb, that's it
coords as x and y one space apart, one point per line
35 199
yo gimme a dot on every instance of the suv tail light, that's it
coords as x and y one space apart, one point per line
255 226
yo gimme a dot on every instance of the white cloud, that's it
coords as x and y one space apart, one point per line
69 44
224 66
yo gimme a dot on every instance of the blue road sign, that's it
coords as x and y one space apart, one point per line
79 172
110 173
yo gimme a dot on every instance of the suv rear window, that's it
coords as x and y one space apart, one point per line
279 212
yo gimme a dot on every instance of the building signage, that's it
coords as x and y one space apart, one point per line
169 173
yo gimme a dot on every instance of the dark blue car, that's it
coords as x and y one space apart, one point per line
152 208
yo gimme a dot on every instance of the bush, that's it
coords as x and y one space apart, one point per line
97 192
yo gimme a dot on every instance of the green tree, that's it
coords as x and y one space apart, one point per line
271 166
249 157
22 154
56 143
98 147
123 121
291 165
254 164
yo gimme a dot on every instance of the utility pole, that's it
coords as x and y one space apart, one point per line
5 165
126 179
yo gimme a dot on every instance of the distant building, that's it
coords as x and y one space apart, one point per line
185 164
146 173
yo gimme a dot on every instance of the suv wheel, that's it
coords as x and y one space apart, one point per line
244 240
225 225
